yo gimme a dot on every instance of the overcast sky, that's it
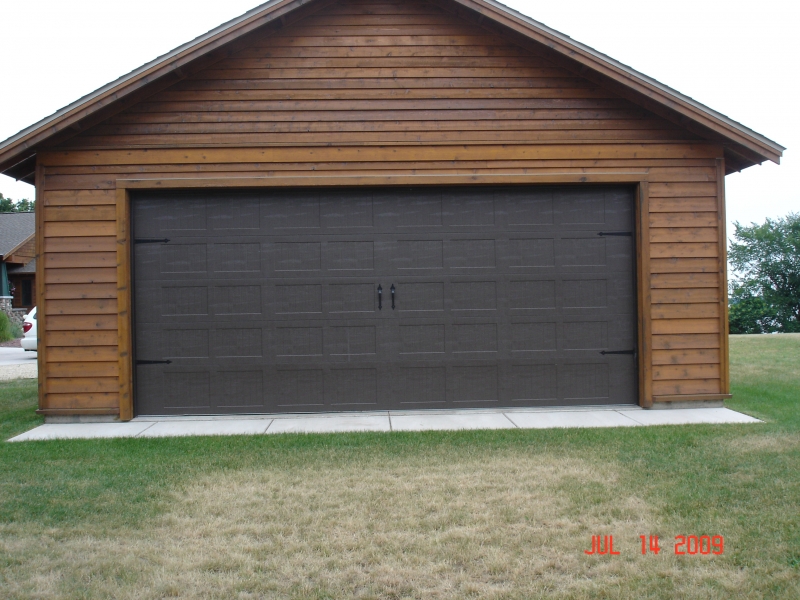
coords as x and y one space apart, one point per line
734 56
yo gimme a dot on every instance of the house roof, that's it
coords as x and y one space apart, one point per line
16 228
744 147
28 268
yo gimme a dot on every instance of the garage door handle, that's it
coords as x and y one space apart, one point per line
604 352
392 290
151 241
380 294
153 362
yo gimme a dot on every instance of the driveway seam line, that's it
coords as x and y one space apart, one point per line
145 429
512 422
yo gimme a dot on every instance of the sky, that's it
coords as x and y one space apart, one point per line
737 57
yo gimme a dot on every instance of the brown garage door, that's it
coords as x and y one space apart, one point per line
268 301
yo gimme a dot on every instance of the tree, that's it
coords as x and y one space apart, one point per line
9 205
765 289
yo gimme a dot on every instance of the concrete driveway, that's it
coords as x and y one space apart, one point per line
16 356
16 363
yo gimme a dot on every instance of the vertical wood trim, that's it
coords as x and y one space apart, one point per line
124 306
643 295
41 321
724 358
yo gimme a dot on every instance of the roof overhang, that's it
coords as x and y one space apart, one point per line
744 147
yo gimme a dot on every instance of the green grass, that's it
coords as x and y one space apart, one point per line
501 514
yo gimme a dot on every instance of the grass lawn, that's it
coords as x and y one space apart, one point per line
491 514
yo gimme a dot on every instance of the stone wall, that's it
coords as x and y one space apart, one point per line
16 315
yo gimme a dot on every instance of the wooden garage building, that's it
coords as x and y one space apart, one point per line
380 204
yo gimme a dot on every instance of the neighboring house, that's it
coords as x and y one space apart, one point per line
18 255
349 205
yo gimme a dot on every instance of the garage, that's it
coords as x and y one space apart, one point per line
323 299
339 205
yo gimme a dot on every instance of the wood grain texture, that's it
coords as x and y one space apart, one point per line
379 94
41 299
723 277
124 319
644 293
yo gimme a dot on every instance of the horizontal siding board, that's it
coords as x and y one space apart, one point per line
684 265
560 126
673 326
389 40
78 198
78 338
327 64
685 311
75 385
684 234
74 260
79 213
681 341
88 306
79 228
633 151
74 291
83 400
82 322
673 205
82 369
487 135
431 50
682 295
80 244
673 190
687 356
684 280
684 249
661 169
673 372
686 386
378 107
683 219
82 353
81 275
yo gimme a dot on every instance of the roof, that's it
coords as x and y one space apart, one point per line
744 147
16 228
26 269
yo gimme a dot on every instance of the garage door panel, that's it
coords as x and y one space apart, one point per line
240 390
418 386
351 388
502 296
346 210
468 208
236 299
532 383
290 211
289 299
301 390
474 385
406 209
233 214
522 208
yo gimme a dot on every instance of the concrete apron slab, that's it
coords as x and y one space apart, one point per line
386 421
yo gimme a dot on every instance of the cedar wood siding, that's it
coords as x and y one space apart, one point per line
379 89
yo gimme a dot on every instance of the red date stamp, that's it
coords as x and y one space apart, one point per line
690 545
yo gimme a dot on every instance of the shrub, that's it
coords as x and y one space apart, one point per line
6 328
